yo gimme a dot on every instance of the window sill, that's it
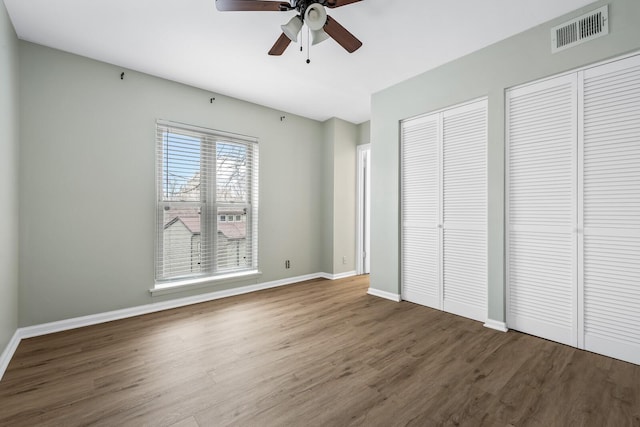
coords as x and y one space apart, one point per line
189 284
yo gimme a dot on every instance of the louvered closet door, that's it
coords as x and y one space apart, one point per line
541 188
611 203
420 212
464 198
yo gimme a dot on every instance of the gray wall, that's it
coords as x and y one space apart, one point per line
339 206
488 72
344 196
364 133
87 192
8 179
327 195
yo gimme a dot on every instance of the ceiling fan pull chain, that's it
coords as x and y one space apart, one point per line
308 50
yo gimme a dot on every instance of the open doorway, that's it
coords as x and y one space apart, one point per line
363 264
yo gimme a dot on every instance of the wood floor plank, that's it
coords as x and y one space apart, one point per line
318 353
187 422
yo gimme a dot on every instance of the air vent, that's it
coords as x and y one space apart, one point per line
581 29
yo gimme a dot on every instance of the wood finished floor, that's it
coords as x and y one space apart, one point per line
319 353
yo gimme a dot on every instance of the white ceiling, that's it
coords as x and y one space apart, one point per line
189 41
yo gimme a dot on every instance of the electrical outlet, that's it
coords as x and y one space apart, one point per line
344 259
287 264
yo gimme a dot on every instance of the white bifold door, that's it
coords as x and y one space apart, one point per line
574 209
444 210
610 221
542 180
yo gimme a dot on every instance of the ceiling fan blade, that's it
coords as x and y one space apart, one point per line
280 45
341 35
337 3
251 5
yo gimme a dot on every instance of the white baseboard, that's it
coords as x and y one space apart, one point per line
384 294
338 276
8 352
497 325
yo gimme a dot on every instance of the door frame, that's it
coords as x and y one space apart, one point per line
363 218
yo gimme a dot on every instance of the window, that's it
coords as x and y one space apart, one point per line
205 178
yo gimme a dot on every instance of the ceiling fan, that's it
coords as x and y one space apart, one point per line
310 12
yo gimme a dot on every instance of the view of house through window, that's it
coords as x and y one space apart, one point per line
207 202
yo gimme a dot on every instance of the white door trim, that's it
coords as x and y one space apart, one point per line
363 180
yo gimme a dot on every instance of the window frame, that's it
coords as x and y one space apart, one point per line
208 205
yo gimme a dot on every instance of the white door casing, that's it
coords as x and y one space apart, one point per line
363 228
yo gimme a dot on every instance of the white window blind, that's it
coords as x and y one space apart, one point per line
205 177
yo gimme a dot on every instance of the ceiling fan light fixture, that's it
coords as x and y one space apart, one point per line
315 16
318 36
292 28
